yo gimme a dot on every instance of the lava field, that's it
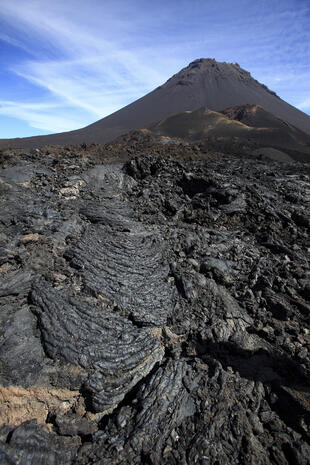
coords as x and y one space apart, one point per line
153 310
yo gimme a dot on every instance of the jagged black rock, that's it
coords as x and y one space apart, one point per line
156 311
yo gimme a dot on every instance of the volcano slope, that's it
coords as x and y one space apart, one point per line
153 311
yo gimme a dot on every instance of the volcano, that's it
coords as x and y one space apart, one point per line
203 83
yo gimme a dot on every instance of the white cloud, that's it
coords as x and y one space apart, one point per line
304 105
48 117
83 70
98 84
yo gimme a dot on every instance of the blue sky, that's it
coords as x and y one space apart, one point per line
66 64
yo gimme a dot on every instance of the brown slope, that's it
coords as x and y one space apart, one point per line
204 82
255 116
248 124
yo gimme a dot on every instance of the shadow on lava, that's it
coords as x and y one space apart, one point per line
286 381
257 365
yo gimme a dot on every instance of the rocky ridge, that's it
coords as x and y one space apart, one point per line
153 310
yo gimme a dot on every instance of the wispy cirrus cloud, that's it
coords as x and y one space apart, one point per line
78 66
95 83
46 116
304 105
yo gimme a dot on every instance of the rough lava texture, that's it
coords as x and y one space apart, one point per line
153 309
